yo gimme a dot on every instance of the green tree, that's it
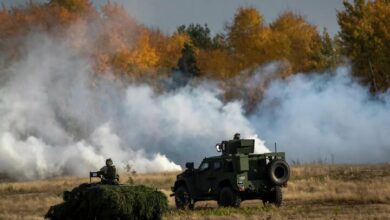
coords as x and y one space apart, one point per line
200 35
329 54
187 63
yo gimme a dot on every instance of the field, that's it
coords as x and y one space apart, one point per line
314 192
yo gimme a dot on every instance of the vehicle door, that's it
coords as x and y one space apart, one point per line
202 178
215 176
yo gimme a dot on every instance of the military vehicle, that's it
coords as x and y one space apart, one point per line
94 201
236 175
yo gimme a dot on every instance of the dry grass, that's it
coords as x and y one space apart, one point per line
314 192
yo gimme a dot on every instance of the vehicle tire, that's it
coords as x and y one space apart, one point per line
182 198
276 196
278 172
229 198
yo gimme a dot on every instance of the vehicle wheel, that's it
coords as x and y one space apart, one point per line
276 196
229 198
182 197
278 172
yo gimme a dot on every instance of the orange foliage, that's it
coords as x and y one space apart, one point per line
81 7
296 40
117 43
143 57
247 36
168 48
365 37
217 64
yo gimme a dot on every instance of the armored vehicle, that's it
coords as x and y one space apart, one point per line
94 201
236 175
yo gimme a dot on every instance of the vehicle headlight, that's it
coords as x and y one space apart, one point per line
241 179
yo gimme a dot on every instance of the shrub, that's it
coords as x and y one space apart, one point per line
95 201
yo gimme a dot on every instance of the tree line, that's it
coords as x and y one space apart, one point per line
115 42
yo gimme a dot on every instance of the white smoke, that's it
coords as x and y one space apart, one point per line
326 117
58 118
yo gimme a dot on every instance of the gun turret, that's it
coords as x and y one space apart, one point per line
241 146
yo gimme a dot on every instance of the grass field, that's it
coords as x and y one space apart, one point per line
314 192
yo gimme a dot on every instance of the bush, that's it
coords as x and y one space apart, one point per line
94 201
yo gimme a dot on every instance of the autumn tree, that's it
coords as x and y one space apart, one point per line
212 57
365 37
168 48
217 63
296 40
113 42
144 57
247 37
75 6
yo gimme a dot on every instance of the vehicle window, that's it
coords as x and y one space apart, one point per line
217 165
228 167
204 166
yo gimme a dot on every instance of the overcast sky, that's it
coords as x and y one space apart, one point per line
168 14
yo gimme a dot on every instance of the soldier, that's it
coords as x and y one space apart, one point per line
108 173
236 136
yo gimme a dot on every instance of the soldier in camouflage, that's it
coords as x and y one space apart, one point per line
108 173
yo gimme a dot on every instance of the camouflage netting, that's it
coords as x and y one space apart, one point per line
96 201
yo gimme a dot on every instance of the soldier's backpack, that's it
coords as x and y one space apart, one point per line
111 173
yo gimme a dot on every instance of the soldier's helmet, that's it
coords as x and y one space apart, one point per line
109 162
236 136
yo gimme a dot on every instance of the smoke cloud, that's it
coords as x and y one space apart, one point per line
58 118
326 118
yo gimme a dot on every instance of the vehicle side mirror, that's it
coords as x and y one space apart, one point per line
218 147
190 165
